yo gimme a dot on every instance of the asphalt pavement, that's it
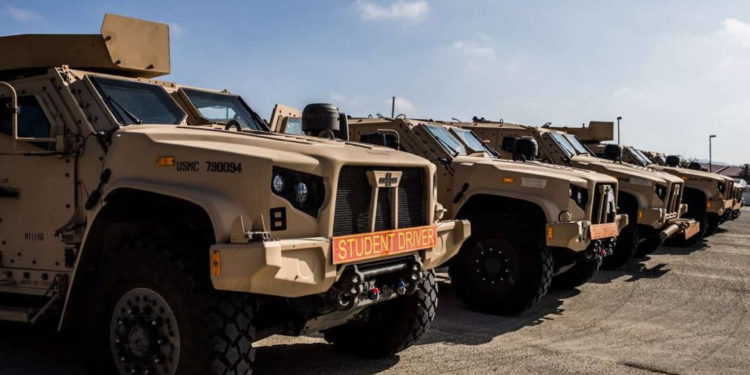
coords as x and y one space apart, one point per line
677 311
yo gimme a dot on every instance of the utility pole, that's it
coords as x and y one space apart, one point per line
618 129
710 160
393 107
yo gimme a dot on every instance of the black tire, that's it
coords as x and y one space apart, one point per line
580 274
204 331
713 224
504 272
389 327
648 246
627 245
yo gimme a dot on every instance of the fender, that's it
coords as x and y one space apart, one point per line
545 205
220 210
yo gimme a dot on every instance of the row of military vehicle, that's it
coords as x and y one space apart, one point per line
171 226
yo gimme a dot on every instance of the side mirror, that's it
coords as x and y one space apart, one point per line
613 152
320 118
525 148
673 161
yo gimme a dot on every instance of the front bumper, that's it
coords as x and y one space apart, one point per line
577 235
301 267
719 205
658 218
666 224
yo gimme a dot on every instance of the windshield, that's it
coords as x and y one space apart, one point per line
474 143
223 108
561 141
577 145
138 103
447 140
638 155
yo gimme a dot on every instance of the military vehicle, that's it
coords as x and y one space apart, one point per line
709 196
651 199
530 221
171 248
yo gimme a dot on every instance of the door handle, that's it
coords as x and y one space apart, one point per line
6 192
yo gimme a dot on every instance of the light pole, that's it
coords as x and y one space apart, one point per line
710 161
618 129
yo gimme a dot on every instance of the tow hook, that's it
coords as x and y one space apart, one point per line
601 248
374 293
401 288
351 287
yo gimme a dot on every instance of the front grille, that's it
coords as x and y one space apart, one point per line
730 189
675 198
601 211
352 211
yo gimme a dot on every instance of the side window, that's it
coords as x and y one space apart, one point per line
32 122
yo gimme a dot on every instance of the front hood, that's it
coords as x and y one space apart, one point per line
692 173
283 149
534 169
624 170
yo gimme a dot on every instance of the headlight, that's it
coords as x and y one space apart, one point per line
579 195
301 192
277 184
304 191
661 191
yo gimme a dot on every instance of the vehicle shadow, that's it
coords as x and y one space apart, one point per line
38 350
316 358
457 324
635 270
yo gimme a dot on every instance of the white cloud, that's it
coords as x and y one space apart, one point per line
736 31
21 15
474 49
175 30
412 10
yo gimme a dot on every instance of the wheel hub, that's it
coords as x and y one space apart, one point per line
493 266
144 337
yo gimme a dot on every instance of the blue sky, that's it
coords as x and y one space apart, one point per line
676 70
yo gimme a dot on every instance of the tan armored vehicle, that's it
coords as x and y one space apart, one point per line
651 199
530 221
175 246
709 196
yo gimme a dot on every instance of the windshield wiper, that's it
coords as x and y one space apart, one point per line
133 117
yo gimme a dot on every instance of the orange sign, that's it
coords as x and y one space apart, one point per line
604 230
358 247
692 230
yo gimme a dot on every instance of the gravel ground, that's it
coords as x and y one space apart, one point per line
678 311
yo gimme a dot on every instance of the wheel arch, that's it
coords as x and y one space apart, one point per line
126 215
487 203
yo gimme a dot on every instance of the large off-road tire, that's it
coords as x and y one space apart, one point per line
648 246
626 247
580 274
503 268
389 327
712 224
148 312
